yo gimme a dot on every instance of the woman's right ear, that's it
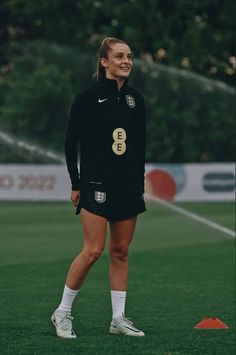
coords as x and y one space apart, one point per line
103 62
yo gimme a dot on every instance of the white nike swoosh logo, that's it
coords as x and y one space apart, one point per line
101 100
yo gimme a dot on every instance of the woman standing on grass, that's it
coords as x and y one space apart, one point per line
108 122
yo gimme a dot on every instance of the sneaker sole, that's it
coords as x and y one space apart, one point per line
115 331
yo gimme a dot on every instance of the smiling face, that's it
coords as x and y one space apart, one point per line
118 63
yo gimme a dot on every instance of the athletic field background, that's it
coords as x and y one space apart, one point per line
180 272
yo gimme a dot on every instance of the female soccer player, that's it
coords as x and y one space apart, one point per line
108 122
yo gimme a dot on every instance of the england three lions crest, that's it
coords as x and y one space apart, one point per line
130 101
100 197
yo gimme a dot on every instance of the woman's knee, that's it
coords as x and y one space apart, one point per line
92 254
119 252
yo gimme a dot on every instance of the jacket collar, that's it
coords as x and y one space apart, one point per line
111 84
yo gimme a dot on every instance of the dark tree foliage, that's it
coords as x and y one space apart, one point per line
47 54
197 35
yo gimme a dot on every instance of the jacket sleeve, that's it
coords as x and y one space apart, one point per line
140 138
72 139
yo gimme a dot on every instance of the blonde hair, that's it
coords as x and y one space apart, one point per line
103 53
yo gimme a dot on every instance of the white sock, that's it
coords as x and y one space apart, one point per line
67 299
118 303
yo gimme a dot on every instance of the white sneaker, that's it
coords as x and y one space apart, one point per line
124 326
62 321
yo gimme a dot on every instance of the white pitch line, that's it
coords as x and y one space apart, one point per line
193 216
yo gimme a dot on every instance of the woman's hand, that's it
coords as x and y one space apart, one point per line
75 197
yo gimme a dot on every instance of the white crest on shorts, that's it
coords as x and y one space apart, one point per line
100 197
130 101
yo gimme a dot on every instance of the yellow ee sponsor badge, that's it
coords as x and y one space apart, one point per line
119 145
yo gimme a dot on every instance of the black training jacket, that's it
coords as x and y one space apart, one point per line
109 127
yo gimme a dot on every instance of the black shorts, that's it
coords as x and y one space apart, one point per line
114 206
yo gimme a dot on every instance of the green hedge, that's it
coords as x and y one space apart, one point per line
189 118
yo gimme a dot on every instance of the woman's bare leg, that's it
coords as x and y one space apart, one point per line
121 237
94 230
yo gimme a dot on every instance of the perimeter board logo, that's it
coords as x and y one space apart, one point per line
219 182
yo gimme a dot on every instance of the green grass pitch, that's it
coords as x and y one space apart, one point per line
180 272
